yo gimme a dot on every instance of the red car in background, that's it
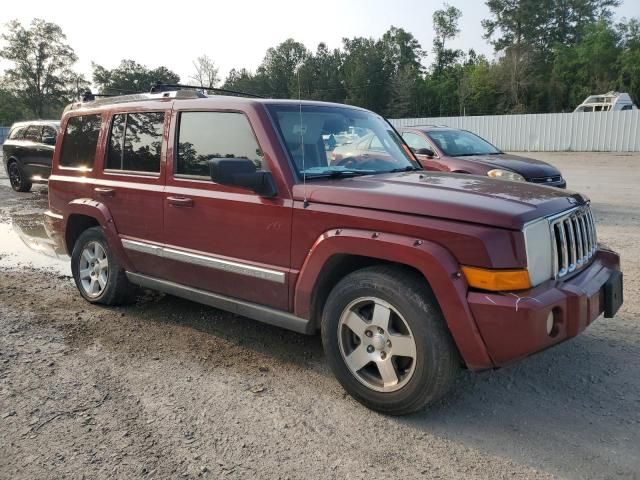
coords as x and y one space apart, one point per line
448 149
454 150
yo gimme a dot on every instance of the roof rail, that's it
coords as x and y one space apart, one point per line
167 87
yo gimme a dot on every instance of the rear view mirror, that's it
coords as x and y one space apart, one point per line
424 151
242 172
49 140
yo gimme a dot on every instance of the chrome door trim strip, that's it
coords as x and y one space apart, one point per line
142 247
240 307
180 255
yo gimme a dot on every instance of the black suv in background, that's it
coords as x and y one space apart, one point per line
28 151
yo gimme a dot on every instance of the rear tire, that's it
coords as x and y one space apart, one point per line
17 178
386 340
98 275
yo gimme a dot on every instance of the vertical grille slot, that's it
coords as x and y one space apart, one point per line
574 240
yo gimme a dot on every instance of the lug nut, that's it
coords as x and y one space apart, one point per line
370 349
368 333
383 355
389 343
380 331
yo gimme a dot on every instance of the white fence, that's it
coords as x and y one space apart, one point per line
550 132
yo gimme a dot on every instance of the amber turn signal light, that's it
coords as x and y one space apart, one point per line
497 280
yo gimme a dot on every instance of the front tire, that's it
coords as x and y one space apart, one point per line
17 178
97 273
386 340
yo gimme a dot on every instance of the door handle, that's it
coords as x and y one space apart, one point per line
105 192
180 201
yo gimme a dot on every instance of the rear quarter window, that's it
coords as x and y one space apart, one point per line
80 141
17 133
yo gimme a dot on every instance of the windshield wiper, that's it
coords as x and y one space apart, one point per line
408 168
339 174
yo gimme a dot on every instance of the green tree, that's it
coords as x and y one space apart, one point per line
366 73
243 80
280 65
445 27
629 60
130 77
40 76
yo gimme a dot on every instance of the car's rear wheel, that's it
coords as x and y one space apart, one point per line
18 179
386 340
97 273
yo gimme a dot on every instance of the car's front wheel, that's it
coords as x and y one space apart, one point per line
17 178
386 340
96 271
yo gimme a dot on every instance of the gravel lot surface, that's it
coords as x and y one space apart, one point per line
166 388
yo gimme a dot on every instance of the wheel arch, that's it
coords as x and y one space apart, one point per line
339 252
86 213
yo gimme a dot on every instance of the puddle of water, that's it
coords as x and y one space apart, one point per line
24 242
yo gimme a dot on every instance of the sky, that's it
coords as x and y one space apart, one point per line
237 33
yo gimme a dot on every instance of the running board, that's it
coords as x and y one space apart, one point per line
233 305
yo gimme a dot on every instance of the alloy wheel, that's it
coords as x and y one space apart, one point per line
94 269
14 175
377 344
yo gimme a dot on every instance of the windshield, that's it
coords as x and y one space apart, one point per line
333 141
459 143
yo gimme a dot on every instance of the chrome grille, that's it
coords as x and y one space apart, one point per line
555 178
575 241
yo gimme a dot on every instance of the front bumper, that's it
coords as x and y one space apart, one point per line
514 325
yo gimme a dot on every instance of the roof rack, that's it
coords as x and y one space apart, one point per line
168 87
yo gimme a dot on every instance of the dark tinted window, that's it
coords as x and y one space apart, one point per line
207 135
80 140
114 153
33 133
48 132
626 107
135 142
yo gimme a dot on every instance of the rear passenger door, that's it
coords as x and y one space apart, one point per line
218 238
30 151
132 181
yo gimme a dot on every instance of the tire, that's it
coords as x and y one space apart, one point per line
414 325
17 177
106 283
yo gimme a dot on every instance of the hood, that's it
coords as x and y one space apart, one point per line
527 167
462 197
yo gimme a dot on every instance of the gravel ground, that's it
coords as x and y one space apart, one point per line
166 388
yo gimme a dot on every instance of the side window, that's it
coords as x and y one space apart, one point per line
206 135
17 133
626 107
415 141
135 142
80 141
33 133
48 132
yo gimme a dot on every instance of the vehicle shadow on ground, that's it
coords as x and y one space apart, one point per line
580 387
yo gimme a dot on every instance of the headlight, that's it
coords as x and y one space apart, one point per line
505 175
537 241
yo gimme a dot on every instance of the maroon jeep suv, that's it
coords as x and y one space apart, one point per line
409 275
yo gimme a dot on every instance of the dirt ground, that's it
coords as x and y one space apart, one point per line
167 388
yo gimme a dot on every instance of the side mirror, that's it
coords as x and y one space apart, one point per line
49 140
242 172
425 151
